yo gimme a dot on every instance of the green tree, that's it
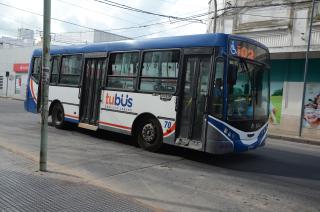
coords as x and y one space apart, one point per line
278 92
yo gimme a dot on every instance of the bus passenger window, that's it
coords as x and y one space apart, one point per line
71 69
217 93
122 70
54 70
36 68
160 71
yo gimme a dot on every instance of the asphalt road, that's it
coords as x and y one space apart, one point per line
282 176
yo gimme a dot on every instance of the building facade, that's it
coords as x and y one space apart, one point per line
95 36
282 25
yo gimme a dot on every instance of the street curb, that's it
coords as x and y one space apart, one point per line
12 98
17 99
295 139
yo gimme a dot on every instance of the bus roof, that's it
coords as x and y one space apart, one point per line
186 41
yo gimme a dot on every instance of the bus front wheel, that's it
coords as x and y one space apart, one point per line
58 116
149 135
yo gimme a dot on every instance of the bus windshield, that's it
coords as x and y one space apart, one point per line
248 94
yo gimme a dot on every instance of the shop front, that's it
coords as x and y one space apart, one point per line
286 90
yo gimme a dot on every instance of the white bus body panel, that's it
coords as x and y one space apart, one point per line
68 96
119 109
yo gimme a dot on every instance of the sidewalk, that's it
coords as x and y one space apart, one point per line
24 189
277 134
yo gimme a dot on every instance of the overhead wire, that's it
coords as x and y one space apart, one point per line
126 7
180 19
95 11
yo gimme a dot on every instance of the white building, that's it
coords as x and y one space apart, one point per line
283 27
25 37
94 36
15 61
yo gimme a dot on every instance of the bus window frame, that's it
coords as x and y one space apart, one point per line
81 68
51 68
175 93
105 80
216 59
95 55
32 69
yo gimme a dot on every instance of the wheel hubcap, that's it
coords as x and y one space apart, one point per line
59 117
148 133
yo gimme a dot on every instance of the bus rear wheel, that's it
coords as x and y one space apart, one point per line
149 135
58 116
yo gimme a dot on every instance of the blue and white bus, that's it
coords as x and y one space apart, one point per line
208 92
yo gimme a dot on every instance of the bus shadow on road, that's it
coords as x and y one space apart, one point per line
266 160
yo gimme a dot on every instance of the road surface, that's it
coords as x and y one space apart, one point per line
282 176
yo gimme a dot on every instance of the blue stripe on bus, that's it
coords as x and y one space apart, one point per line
235 139
71 120
29 104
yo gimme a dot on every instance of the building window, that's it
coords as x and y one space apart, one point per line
36 68
54 70
71 70
160 71
1 82
122 70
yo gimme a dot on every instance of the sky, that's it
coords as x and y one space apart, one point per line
93 14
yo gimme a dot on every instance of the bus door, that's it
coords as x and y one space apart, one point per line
194 89
90 94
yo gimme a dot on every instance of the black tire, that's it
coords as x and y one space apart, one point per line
149 135
58 116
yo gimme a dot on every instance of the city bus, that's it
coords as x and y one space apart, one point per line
208 92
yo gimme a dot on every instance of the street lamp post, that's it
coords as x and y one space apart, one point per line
215 17
306 69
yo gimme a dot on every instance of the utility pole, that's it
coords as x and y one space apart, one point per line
45 76
306 69
215 17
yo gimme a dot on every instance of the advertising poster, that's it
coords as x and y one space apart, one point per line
312 106
18 84
276 93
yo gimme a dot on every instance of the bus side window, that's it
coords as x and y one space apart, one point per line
122 70
54 70
71 69
160 71
217 92
36 68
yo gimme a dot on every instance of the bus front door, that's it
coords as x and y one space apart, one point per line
195 86
91 92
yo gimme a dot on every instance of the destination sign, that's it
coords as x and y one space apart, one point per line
247 50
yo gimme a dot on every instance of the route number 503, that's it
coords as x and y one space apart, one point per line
245 52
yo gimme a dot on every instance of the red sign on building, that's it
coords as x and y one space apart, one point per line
21 67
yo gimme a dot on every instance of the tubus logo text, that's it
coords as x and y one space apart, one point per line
119 101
